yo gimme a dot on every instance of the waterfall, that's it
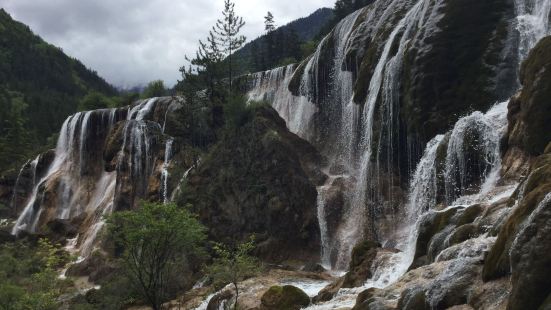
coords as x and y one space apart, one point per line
164 173
532 23
80 186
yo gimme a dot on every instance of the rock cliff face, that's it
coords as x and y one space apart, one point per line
260 179
464 214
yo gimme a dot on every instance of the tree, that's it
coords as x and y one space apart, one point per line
154 89
226 35
93 101
269 24
232 265
156 240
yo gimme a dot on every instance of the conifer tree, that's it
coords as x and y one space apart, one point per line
225 35
269 22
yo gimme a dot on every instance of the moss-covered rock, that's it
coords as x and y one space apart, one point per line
260 179
285 297
530 111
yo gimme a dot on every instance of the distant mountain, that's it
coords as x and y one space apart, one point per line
39 87
283 44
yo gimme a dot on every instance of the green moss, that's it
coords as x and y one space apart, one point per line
285 297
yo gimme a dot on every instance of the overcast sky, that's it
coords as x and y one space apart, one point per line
131 42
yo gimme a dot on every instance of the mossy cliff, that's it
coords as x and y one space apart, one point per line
260 179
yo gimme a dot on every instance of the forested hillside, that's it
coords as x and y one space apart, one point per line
287 44
39 87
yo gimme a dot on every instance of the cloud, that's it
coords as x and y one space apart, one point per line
131 42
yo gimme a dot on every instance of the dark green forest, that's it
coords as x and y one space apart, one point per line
285 45
39 87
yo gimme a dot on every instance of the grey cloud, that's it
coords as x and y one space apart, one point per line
130 42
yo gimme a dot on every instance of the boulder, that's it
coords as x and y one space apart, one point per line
285 297
328 292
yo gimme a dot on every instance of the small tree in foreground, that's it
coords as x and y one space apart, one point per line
233 265
157 239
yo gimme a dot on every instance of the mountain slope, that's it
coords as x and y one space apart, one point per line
39 87
269 50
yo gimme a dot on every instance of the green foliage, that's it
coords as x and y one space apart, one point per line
94 101
308 48
155 89
157 240
29 276
15 139
232 265
237 112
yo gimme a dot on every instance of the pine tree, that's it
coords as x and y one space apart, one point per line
269 22
225 35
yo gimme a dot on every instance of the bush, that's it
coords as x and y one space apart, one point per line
158 241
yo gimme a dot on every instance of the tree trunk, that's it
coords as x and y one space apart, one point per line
236 295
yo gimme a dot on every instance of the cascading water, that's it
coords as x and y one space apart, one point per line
459 168
82 185
164 173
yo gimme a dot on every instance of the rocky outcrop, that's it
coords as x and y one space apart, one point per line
260 179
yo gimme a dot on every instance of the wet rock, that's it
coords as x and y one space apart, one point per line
97 266
113 144
328 292
362 258
413 299
220 300
369 300
430 225
536 187
530 260
285 297
313 267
